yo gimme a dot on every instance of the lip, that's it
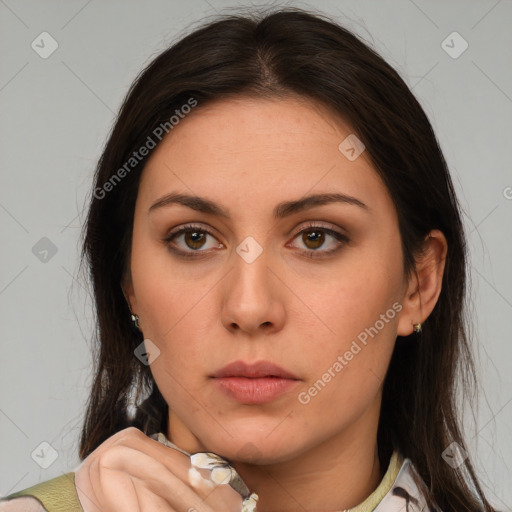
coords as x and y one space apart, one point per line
256 383
254 370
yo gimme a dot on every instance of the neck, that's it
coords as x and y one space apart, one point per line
338 474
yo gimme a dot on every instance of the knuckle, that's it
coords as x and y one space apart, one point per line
111 458
130 432
119 438
127 434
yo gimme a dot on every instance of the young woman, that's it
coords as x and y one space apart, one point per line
278 264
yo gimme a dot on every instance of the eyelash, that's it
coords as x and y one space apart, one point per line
342 239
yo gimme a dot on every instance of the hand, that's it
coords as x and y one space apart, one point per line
130 472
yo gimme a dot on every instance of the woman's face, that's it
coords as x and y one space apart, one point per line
314 287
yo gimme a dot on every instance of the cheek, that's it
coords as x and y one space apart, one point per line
171 307
177 320
362 295
359 309
346 377
164 294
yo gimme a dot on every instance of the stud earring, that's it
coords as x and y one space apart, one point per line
135 320
417 328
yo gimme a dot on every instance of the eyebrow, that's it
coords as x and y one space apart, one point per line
282 210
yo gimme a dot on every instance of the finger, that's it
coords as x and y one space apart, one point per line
148 501
181 466
222 497
111 491
117 469
174 460
87 478
85 489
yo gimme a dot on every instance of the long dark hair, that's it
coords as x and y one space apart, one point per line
292 52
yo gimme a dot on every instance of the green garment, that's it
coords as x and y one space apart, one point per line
55 495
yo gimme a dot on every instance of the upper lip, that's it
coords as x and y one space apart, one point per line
253 370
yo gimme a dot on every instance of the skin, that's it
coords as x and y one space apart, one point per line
133 473
299 312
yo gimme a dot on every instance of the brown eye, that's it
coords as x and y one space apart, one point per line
190 242
194 239
313 239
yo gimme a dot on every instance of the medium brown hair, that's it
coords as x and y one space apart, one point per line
293 52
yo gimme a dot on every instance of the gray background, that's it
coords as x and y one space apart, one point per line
56 115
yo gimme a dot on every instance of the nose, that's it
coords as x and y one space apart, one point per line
253 297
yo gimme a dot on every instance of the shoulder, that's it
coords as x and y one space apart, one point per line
55 495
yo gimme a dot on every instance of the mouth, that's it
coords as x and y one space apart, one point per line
256 370
256 383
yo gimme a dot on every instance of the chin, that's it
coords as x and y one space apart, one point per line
257 447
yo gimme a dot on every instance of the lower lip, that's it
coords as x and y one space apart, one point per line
255 391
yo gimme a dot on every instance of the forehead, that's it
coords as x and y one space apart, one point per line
255 147
240 124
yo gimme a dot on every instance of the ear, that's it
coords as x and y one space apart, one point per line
424 284
128 292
